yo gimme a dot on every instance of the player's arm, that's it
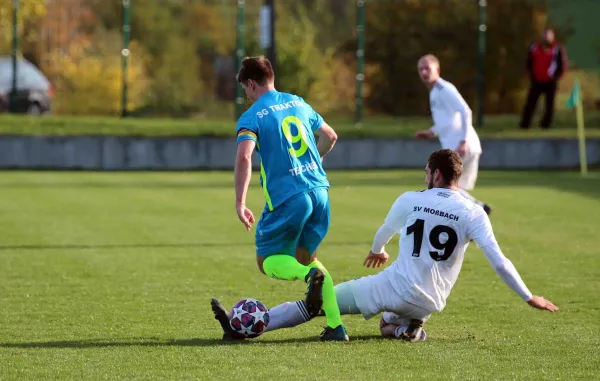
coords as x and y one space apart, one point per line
327 139
392 225
484 237
426 134
430 133
325 134
455 101
243 173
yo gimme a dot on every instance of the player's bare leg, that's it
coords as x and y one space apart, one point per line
389 330
304 257
259 262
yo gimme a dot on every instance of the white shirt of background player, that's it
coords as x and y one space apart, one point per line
479 229
452 116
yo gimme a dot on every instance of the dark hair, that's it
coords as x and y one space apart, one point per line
448 163
258 69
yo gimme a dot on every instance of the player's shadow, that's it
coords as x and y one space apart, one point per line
157 342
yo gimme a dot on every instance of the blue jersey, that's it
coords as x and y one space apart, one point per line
282 126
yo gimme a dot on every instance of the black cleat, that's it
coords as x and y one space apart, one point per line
223 318
487 208
414 332
314 294
335 334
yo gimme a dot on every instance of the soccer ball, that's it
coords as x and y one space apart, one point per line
249 318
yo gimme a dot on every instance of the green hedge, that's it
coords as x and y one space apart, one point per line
377 127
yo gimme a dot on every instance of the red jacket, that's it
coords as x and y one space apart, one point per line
546 64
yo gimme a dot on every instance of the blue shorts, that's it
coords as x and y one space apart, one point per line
303 221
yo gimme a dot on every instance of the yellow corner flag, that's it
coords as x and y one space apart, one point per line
576 101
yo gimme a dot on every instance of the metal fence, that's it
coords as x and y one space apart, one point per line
349 57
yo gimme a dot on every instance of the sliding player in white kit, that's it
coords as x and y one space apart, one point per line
452 123
436 226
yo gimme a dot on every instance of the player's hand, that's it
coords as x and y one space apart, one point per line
376 260
462 149
541 303
245 215
424 134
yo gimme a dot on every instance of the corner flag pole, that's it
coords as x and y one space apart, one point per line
581 134
575 100
239 55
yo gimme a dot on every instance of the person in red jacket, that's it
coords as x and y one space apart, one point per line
546 63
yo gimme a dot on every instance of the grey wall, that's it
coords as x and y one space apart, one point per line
131 153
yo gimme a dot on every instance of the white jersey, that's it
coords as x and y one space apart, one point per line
452 117
436 227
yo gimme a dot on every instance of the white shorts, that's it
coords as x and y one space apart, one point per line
374 294
470 168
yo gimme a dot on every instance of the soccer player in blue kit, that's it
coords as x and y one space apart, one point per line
282 128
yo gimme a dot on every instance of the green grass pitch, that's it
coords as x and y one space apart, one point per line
109 276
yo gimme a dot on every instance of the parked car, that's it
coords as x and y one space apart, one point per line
34 90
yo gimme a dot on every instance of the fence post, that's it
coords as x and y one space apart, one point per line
239 54
271 51
481 34
125 57
15 48
360 59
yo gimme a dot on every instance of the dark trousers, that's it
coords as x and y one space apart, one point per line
535 90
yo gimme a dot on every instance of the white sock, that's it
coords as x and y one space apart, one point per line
400 330
467 195
287 315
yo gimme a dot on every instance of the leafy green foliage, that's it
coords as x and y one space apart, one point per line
29 14
88 79
447 29
185 51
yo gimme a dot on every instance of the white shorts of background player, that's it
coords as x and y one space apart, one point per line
470 168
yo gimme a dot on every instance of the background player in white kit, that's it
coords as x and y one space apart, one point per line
452 123
436 226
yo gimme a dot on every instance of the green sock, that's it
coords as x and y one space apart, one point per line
285 267
330 306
